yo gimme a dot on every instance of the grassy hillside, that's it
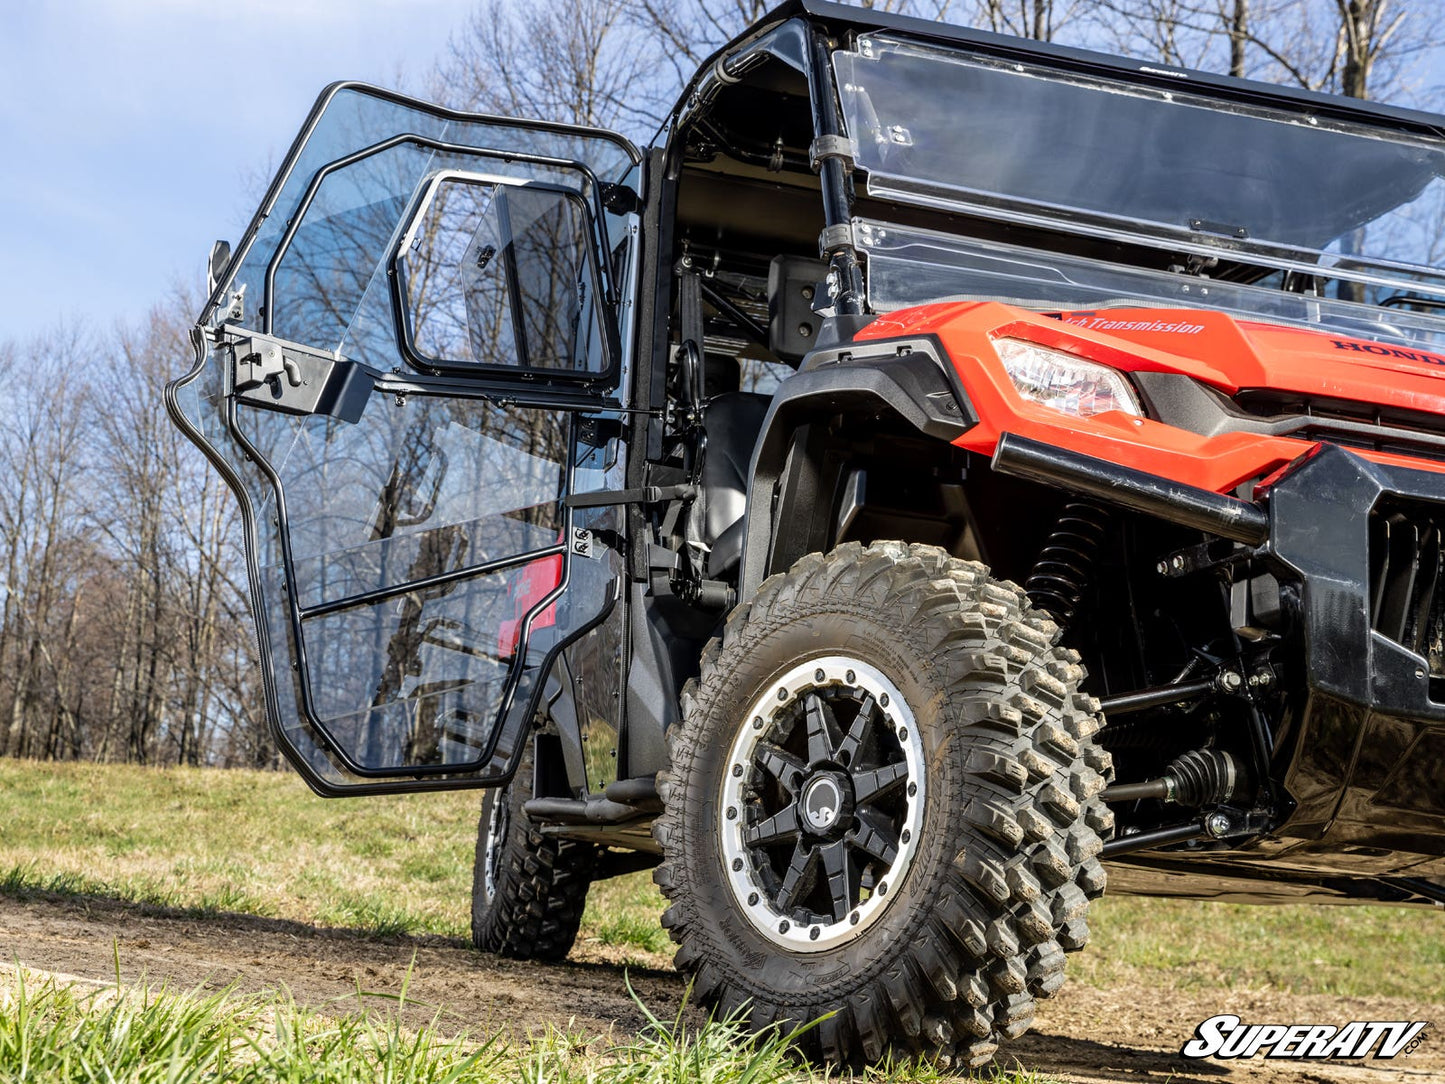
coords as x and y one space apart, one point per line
261 843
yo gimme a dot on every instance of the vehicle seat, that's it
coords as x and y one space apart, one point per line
732 422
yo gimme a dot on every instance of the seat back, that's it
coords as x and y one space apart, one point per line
732 422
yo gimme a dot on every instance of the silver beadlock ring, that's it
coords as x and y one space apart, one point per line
858 823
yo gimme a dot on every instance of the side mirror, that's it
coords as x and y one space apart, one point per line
220 257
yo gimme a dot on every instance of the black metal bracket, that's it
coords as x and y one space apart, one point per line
1222 827
606 498
1201 558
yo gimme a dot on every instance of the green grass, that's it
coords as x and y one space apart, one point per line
202 842
1310 949
260 843
55 1033
622 913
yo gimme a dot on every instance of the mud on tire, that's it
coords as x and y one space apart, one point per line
528 890
1001 873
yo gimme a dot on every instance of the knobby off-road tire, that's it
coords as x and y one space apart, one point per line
528 890
980 766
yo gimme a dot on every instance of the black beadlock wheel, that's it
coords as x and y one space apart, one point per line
528 889
883 804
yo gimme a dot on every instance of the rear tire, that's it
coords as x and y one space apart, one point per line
528 889
992 791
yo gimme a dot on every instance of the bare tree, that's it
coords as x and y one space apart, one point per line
571 60
174 530
1238 32
622 65
1359 48
1041 20
122 627
1369 30
42 441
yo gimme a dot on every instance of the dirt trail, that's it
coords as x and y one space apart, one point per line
1083 1034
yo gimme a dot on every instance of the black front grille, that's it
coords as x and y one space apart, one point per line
1406 596
1366 426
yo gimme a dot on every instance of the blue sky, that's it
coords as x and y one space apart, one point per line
136 132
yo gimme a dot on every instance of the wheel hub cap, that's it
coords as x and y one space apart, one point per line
822 803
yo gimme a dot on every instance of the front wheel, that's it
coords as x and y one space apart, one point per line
883 804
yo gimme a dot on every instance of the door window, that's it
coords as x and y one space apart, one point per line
497 274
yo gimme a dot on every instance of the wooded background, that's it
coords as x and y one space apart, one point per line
124 634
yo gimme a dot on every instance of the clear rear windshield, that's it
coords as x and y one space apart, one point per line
1358 210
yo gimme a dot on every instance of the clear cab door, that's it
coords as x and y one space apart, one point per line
410 362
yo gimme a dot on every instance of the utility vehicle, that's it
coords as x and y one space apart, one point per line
939 465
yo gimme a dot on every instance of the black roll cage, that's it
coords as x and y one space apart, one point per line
803 34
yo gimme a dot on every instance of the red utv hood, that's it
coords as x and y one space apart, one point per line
1234 354
1231 354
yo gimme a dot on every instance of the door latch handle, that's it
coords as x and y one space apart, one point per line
259 360
295 379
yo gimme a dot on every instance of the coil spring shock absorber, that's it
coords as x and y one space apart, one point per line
1061 574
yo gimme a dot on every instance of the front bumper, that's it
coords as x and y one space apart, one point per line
1363 623
1365 762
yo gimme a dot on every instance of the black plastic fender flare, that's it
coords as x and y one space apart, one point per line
911 378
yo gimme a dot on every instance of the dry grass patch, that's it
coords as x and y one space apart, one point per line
261 843
250 842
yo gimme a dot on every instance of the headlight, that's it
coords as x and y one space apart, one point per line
1064 382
